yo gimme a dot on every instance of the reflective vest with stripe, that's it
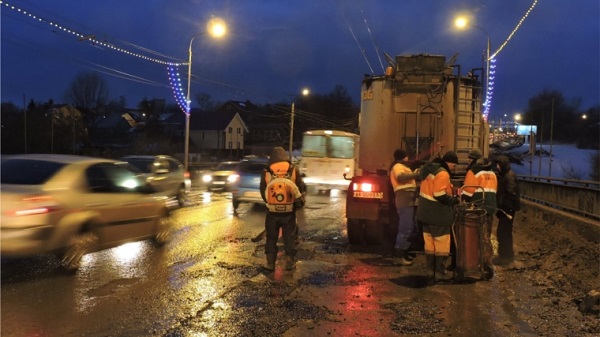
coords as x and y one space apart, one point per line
481 185
485 181
397 170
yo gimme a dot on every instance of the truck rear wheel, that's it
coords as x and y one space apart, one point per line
374 232
355 231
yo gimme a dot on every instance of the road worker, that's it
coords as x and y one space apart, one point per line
405 186
435 213
280 188
480 188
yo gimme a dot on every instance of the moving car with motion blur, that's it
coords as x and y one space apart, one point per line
246 186
221 177
71 206
166 174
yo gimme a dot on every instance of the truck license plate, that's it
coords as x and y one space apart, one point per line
370 195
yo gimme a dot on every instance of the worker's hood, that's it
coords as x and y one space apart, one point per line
278 155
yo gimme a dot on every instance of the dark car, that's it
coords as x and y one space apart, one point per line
246 187
166 174
221 177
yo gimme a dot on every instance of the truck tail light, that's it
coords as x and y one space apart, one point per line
365 187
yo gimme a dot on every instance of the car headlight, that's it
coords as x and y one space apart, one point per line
233 178
207 178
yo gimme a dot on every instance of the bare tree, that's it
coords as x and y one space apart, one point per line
205 102
88 92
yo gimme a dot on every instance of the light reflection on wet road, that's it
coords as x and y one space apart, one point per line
208 281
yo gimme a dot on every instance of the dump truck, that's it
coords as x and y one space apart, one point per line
424 105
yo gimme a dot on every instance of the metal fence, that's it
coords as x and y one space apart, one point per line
581 197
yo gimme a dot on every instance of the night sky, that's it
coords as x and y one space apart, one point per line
274 48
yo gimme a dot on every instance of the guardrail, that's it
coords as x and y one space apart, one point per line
581 197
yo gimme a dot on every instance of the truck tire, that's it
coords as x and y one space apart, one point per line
374 232
355 232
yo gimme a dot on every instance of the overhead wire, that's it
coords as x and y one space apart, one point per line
84 63
58 28
375 45
362 50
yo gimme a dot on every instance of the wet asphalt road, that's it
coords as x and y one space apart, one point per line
208 281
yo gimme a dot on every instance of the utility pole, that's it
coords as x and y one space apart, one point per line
291 131
25 122
551 138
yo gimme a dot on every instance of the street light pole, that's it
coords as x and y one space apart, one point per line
291 131
461 23
217 28
305 92
487 68
188 107
487 65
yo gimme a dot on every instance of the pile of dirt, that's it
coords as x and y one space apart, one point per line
559 271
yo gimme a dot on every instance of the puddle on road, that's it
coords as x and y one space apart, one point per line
417 318
250 310
111 287
320 279
380 262
411 281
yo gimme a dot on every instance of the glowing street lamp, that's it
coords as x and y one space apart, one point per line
517 119
217 28
305 92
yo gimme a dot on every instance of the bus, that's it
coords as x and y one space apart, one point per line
326 156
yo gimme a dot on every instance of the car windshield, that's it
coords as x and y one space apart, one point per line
142 164
252 167
227 166
28 171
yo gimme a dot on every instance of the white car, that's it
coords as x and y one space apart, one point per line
71 205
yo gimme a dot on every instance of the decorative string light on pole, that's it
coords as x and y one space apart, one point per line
217 28
175 83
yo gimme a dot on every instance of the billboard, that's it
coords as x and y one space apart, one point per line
526 130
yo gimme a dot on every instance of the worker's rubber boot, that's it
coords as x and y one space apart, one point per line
404 261
440 269
290 262
270 265
430 267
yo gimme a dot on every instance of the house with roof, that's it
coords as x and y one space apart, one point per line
219 134
267 127
113 130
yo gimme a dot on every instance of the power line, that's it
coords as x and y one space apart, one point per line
92 38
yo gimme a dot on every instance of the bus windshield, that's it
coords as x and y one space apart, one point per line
327 146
